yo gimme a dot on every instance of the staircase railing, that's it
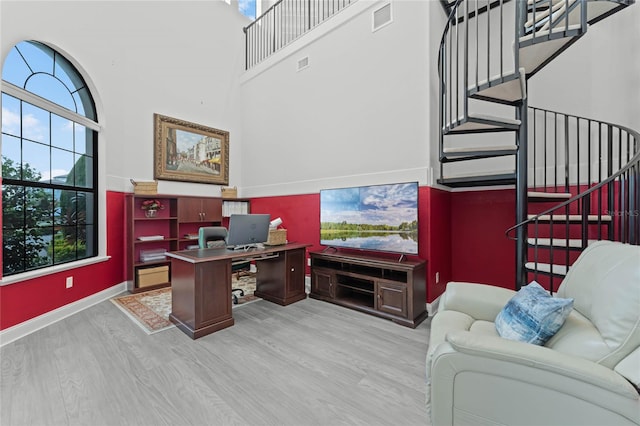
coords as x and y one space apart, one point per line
283 23
568 153
607 206
469 58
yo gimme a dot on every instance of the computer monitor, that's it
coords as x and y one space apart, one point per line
246 230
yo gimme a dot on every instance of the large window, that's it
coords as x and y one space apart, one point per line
49 161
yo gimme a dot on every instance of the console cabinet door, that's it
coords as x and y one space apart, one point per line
321 283
392 299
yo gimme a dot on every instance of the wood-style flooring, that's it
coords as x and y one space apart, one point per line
309 363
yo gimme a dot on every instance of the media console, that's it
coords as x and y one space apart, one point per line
390 289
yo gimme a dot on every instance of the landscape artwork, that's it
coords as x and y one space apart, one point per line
190 152
376 217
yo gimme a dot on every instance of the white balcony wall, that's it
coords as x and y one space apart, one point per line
359 113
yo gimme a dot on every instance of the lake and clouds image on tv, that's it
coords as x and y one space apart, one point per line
377 217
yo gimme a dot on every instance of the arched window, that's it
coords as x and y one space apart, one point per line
49 161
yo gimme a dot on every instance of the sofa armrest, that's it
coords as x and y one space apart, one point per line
480 379
480 301
541 358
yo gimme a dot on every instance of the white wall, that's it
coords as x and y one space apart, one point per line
360 113
599 76
364 111
177 58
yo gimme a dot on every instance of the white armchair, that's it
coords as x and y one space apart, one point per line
588 373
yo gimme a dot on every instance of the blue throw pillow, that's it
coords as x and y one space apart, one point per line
532 315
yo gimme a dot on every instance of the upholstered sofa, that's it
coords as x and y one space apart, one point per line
588 373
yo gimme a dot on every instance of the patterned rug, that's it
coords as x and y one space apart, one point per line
151 309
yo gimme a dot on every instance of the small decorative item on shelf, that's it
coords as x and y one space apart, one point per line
145 188
151 207
277 236
230 192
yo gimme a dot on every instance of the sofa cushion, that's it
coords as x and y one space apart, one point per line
579 337
605 285
532 315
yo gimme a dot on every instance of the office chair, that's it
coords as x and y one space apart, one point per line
215 237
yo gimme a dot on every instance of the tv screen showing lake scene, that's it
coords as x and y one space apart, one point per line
376 217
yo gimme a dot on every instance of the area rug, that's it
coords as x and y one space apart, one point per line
150 309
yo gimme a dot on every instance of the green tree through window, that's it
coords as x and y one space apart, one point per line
49 161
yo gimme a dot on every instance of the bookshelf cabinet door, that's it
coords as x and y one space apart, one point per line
195 209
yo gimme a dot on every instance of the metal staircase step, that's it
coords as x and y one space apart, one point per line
474 153
544 197
572 218
547 269
464 181
596 10
547 15
571 244
477 123
508 90
534 56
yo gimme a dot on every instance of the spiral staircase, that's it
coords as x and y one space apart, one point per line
577 179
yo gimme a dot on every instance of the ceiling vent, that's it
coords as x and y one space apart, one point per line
382 17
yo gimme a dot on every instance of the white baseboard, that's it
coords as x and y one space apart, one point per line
432 307
18 331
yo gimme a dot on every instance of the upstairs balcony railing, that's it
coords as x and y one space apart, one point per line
284 22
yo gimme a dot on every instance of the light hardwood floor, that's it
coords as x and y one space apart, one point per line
309 363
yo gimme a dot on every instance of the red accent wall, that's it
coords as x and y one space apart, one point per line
461 235
301 217
435 211
25 300
480 250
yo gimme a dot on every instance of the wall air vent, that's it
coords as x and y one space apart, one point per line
381 17
303 63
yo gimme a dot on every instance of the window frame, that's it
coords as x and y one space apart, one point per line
97 188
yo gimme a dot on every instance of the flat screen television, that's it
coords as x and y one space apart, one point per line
375 217
246 230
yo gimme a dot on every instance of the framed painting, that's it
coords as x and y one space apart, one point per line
189 152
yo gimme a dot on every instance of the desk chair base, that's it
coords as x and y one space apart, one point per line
235 296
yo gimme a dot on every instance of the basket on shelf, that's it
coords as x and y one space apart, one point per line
277 237
231 192
145 188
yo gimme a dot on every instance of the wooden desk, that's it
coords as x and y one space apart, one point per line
201 283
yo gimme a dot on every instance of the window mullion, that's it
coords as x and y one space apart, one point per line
38 101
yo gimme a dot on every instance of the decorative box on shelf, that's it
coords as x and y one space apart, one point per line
151 237
277 237
152 255
231 192
145 188
153 276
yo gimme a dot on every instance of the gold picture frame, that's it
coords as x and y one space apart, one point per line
189 152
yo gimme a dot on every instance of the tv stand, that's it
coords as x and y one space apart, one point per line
382 287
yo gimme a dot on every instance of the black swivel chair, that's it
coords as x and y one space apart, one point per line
215 236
